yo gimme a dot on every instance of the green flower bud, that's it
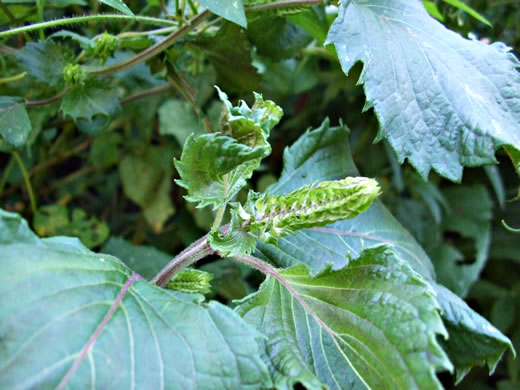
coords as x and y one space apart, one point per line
74 75
105 45
271 217
191 281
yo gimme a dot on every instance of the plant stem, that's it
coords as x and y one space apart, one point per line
148 92
218 218
43 102
27 181
16 77
8 13
196 251
85 19
152 50
133 34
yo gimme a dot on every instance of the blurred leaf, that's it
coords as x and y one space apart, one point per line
470 216
232 10
119 5
148 184
143 259
230 54
466 8
104 151
277 38
56 220
229 278
176 118
418 96
86 101
45 61
503 312
15 126
433 10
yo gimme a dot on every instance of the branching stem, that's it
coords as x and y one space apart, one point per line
198 250
85 19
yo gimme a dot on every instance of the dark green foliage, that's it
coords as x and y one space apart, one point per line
138 202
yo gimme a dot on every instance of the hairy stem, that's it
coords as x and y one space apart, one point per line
28 185
152 50
283 4
196 251
85 19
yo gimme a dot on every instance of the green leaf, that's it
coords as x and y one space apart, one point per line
443 102
213 168
472 339
230 53
104 151
433 10
15 125
277 38
56 298
191 281
45 61
176 118
143 259
324 154
232 10
470 216
466 8
373 323
148 184
90 99
56 220
119 5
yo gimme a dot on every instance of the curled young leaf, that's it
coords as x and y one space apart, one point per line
214 167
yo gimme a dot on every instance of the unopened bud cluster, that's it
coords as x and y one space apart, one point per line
271 217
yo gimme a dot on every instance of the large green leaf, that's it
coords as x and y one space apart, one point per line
63 307
15 125
320 155
443 101
45 61
472 339
324 154
374 323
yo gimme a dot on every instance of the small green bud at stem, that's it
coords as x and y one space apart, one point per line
74 75
105 45
191 281
271 217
